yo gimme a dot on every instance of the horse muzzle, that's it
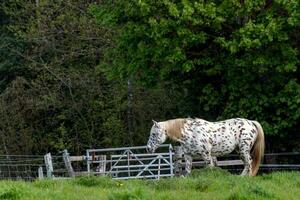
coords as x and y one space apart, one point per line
149 149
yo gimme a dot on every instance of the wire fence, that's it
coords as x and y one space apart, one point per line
20 167
30 167
59 167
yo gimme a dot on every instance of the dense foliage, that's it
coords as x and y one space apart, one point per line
80 74
60 102
235 58
52 95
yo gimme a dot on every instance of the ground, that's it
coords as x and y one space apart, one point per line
202 184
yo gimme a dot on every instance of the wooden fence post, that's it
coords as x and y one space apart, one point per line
49 166
178 153
67 161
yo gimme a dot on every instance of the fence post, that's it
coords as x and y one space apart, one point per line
67 161
40 173
159 162
128 163
171 160
178 160
49 166
88 163
101 168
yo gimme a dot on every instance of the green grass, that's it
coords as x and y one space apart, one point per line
202 184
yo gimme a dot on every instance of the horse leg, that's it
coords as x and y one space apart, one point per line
208 159
215 161
246 157
188 164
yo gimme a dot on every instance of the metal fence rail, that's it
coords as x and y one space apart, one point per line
130 162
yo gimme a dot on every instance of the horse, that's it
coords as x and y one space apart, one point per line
209 140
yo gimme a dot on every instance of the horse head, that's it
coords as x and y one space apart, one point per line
157 137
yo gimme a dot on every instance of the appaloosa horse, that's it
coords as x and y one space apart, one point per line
212 139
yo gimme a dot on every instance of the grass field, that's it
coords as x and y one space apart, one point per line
202 184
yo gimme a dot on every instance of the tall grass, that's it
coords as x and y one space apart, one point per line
201 184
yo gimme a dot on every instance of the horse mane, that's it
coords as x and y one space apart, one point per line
173 127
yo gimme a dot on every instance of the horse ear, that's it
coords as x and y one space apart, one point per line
155 122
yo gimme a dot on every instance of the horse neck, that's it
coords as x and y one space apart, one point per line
173 128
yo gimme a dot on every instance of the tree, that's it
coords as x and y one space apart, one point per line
10 63
60 101
235 58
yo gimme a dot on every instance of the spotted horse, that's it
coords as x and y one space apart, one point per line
212 139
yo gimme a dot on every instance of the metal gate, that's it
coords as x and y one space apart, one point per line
131 162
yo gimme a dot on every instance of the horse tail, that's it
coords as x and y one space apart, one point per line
258 148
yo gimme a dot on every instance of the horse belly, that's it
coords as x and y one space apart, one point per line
223 145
